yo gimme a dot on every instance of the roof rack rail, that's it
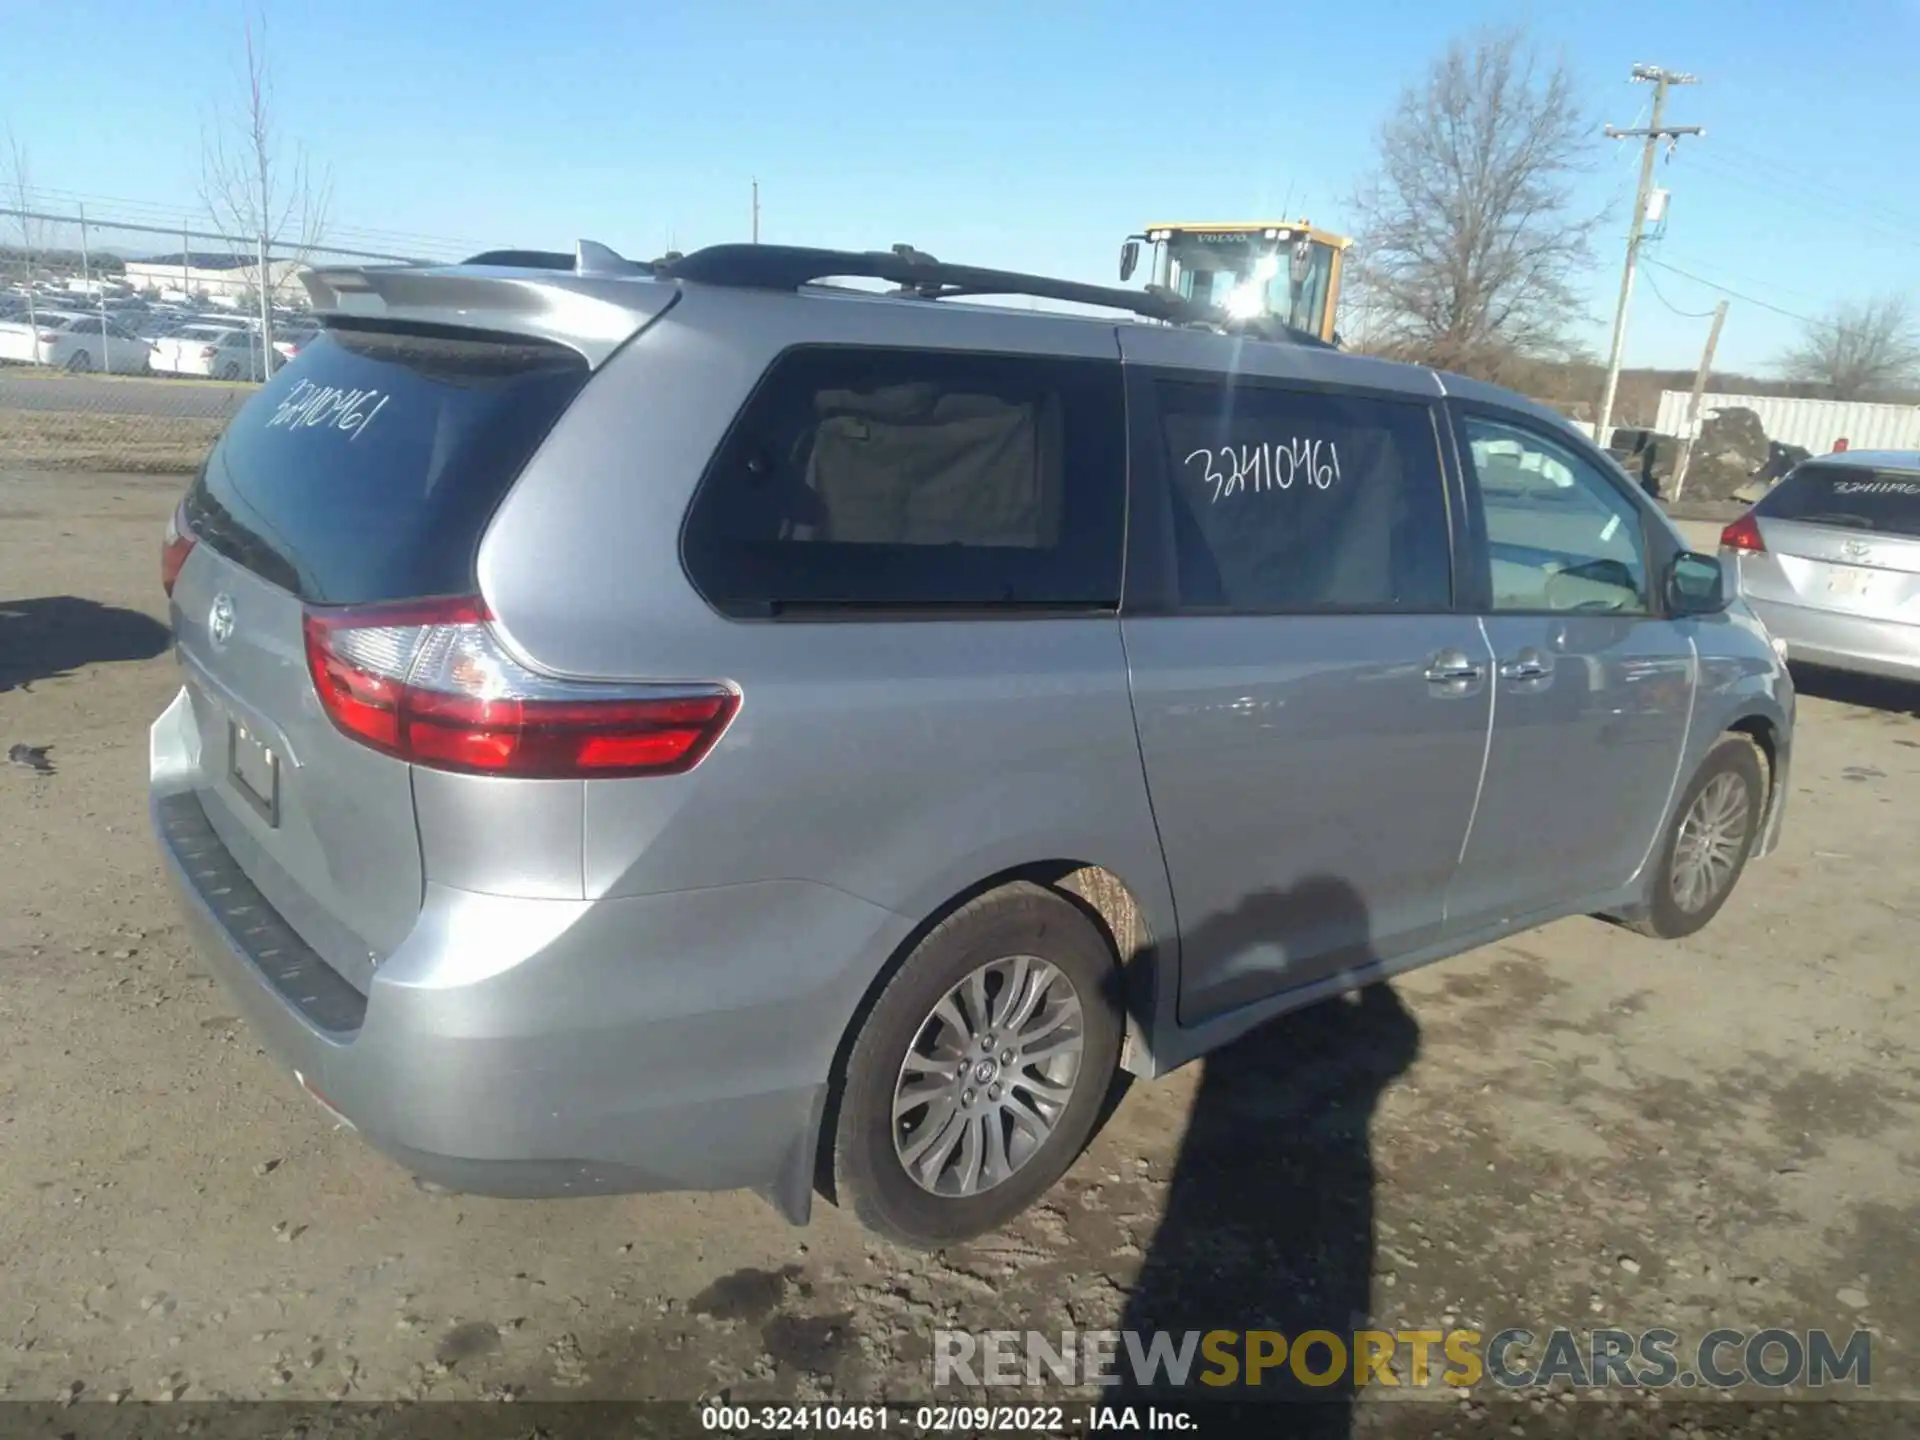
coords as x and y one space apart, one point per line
788 267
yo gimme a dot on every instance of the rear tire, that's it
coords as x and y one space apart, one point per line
946 1130
1708 841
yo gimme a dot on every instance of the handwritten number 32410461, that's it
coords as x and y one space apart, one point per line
1239 469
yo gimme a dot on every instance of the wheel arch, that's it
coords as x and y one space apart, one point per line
1765 735
1105 898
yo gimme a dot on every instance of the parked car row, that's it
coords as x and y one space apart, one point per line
73 341
154 341
220 352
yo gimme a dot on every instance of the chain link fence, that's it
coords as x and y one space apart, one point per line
126 344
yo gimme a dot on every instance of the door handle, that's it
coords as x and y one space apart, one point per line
1453 667
1527 665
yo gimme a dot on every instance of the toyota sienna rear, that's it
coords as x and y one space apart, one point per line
689 726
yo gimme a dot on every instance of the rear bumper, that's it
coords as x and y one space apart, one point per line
553 1047
1843 642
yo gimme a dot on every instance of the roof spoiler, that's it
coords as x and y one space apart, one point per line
584 301
589 257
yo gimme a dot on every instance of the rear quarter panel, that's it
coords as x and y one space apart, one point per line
900 761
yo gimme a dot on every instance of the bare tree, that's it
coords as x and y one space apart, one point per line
1870 348
276 207
1470 235
18 181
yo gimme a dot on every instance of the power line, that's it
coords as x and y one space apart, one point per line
1683 314
1770 285
1825 184
1727 290
1883 223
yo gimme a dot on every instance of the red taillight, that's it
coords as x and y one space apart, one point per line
175 547
1743 534
429 683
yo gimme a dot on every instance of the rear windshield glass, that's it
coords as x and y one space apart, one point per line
368 467
1852 496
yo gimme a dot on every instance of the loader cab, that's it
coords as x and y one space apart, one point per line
1287 270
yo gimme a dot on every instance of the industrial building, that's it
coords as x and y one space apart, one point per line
219 278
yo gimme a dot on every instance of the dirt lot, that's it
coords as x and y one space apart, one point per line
1577 1128
152 444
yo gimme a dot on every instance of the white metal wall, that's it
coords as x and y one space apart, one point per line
1816 424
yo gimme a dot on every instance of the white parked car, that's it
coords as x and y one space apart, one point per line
288 341
74 341
220 352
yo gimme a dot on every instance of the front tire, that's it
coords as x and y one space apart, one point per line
79 363
1708 840
981 1071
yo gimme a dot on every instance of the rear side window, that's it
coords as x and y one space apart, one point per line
368 468
1851 496
905 479
1292 501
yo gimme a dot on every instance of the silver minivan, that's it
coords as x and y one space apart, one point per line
699 726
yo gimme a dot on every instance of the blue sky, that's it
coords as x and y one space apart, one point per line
1032 134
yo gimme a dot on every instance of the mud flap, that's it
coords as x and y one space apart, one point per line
790 1191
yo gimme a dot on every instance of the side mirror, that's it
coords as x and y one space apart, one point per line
1129 259
1696 585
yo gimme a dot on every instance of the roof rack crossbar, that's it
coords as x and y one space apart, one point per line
788 267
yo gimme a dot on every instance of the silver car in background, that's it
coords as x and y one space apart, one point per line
1830 561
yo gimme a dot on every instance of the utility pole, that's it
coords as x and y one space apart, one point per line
1656 131
1693 405
756 212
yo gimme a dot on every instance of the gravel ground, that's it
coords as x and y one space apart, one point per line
90 440
1578 1127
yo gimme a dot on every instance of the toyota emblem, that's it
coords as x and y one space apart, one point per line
220 620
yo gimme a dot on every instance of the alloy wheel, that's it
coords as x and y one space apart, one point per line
988 1076
1707 851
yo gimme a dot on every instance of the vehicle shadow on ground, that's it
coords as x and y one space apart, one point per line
1873 692
1269 1216
57 634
